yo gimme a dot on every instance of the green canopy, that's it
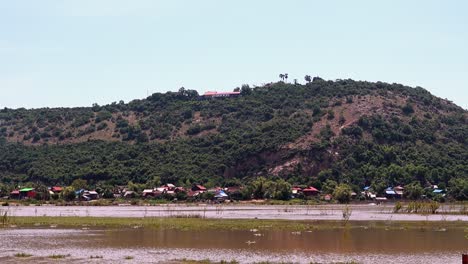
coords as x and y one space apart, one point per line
26 189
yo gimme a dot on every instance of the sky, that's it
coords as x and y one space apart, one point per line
79 52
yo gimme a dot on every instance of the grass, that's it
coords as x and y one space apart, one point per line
195 224
22 255
128 257
204 261
58 256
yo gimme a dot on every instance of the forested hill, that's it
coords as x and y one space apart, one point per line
360 133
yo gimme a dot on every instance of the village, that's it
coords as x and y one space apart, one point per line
196 193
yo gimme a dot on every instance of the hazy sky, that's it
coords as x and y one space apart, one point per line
75 53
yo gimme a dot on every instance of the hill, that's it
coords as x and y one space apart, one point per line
360 133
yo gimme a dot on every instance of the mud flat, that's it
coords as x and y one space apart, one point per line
285 212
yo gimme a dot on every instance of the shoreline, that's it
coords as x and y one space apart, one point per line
447 213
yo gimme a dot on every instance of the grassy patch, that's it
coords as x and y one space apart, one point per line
204 261
22 255
58 256
222 224
128 257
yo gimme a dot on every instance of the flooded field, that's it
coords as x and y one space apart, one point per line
296 212
359 243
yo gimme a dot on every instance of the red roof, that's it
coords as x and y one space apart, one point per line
297 188
212 93
310 189
201 188
57 189
15 192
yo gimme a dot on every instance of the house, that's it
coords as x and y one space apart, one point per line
214 94
327 197
399 191
296 190
199 188
368 193
27 193
220 195
15 194
169 187
390 193
56 189
148 193
129 194
232 189
93 195
310 191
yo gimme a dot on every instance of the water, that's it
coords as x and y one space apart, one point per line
145 245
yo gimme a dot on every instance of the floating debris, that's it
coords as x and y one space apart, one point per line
250 242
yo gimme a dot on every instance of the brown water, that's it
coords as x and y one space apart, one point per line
359 244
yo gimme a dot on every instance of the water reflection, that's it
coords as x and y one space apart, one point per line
354 240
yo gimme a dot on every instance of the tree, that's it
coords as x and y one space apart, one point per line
281 76
79 184
279 190
286 77
107 193
329 186
68 194
258 187
342 193
182 91
307 78
458 188
245 89
413 191
237 89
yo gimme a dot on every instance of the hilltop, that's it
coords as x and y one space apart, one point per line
360 133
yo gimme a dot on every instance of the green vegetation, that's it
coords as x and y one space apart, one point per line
58 256
22 255
413 139
200 224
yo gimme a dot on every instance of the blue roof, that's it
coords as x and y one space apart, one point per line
389 189
366 188
390 192
221 194
437 191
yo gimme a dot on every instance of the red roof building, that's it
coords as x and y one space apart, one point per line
212 94
198 187
56 189
309 191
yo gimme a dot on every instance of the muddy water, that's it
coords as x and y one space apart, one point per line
149 246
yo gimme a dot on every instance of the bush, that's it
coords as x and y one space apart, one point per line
397 207
342 193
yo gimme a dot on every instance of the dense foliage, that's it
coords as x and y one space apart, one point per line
179 138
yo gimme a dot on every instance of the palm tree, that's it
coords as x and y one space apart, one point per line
281 76
308 78
286 77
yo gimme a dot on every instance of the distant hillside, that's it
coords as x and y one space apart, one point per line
360 133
